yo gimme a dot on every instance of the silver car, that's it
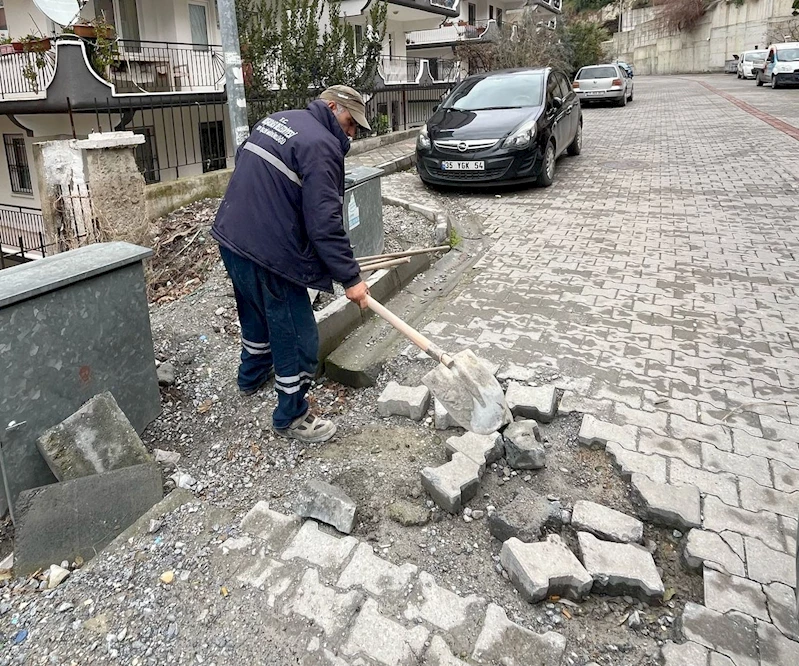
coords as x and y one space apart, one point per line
597 83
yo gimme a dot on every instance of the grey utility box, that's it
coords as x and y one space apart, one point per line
363 210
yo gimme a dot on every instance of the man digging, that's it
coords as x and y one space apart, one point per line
280 231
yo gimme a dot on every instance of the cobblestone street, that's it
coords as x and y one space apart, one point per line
658 276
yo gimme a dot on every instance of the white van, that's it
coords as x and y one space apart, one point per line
746 61
781 66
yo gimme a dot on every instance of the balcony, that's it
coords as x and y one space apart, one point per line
453 32
25 75
394 70
554 6
21 229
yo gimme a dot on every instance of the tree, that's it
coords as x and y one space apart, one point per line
293 48
585 43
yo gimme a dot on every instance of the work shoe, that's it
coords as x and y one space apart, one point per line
309 428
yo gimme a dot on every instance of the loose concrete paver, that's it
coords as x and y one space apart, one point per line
273 527
702 546
314 546
678 507
323 605
524 517
523 447
328 504
606 523
531 402
453 484
410 401
482 449
374 574
384 640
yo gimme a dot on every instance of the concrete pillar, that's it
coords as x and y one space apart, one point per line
91 190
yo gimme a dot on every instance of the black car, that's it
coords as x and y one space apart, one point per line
501 127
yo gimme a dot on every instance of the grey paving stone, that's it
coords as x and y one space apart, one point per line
374 574
97 438
410 401
766 565
719 484
753 467
606 523
441 417
755 497
524 517
687 450
702 546
330 610
781 601
272 526
481 449
776 649
747 445
79 517
629 463
504 642
452 484
786 478
264 573
523 447
314 546
725 593
382 639
718 516
620 568
596 434
532 402
684 654
571 401
439 654
732 634
327 504
677 507
547 568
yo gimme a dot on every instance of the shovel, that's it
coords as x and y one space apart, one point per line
462 382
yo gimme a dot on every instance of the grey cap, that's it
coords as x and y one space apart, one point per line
351 100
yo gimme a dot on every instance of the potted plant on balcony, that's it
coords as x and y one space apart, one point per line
94 29
100 38
26 44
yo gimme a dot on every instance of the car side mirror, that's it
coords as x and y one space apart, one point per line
435 107
557 102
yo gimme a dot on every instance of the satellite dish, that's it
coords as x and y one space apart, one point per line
62 12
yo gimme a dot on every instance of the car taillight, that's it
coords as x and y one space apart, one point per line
616 82
575 84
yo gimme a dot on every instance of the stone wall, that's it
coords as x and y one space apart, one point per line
725 30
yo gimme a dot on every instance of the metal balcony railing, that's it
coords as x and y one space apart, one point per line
446 4
453 31
553 5
25 74
396 69
148 67
20 226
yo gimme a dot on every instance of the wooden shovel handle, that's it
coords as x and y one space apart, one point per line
432 350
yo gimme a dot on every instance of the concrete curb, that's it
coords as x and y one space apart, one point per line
399 164
372 143
442 219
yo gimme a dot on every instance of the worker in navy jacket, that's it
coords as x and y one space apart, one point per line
280 231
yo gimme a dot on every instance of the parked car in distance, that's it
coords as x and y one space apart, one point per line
609 82
508 126
781 67
627 67
747 61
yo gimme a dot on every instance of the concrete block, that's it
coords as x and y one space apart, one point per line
702 546
271 526
782 609
540 570
78 518
732 634
410 401
725 593
328 609
97 438
523 447
314 546
524 517
439 654
596 434
532 402
606 523
504 642
374 574
441 608
683 654
383 640
453 484
620 568
776 649
630 462
327 504
441 417
677 507
769 566
482 449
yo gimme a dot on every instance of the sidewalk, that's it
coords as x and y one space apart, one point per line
391 158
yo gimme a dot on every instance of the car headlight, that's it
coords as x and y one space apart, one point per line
522 137
423 140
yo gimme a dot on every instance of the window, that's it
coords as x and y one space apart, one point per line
3 24
212 146
499 17
358 39
198 19
17 157
147 156
472 13
490 12
552 88
564 88
122 14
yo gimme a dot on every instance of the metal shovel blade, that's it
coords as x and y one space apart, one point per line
470 393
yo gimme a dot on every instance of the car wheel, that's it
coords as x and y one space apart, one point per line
758 81
630 98
774 84
547 174
623 100
576 146
739 75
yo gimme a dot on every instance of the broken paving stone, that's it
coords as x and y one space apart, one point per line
271 526
314 546
326 503
56 575
97 438
409 401
620 568
685 654
732 634
544 569
441 608
328 609
664 504
523 447
504 642
725 593
452 484
524 517
439 654
532 402
596 434
384 640
166 374
703 546
374 574
408 514
482 449
441 417
606 523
